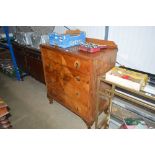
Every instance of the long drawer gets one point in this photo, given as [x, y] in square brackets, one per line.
[80, 64]
[72, 102]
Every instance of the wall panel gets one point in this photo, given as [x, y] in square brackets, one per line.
[136, 46]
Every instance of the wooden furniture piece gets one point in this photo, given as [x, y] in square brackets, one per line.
[4, 122]
[29, 60]
[138, 101]
[71, 76]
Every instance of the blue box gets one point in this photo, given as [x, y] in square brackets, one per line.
[67, 40]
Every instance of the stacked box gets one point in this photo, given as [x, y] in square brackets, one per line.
[67, 40]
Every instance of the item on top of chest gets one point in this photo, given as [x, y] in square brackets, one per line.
[67, 40]
[73, 32]
[91, 48]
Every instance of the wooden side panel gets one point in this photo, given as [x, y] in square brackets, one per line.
[101, 65]
[45, 62]
[105, 62]
[111, 44]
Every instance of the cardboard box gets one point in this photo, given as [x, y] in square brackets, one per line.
[127, 78]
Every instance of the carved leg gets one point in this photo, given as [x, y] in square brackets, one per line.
[88, 124]
[88, 127]
[50, 101]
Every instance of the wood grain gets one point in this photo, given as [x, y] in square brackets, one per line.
[71, 77]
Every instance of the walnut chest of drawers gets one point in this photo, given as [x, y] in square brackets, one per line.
[71, 76]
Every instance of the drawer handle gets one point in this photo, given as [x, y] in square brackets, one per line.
[77, 64]
[77, 78]
[77, 94]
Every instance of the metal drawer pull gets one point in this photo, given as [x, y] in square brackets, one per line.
[77, 64]
[77, 78]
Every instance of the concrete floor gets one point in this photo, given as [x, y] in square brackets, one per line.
[30, 109]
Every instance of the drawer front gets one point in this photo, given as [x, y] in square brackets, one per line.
[67, 80]
[71, 61]
[70, 86]
[75, 104]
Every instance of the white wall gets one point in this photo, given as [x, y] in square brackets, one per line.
[91, 31]
[136, 46]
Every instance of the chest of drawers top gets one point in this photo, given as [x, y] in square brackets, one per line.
[81, 54]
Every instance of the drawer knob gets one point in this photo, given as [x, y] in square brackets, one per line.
[77, 94]
[77, 64]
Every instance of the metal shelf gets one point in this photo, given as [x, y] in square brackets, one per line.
[9, 46]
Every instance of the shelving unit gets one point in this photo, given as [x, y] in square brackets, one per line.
[4, 114]
[125, 102]
[9, 46]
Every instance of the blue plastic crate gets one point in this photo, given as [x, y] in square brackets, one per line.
[67, 40]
